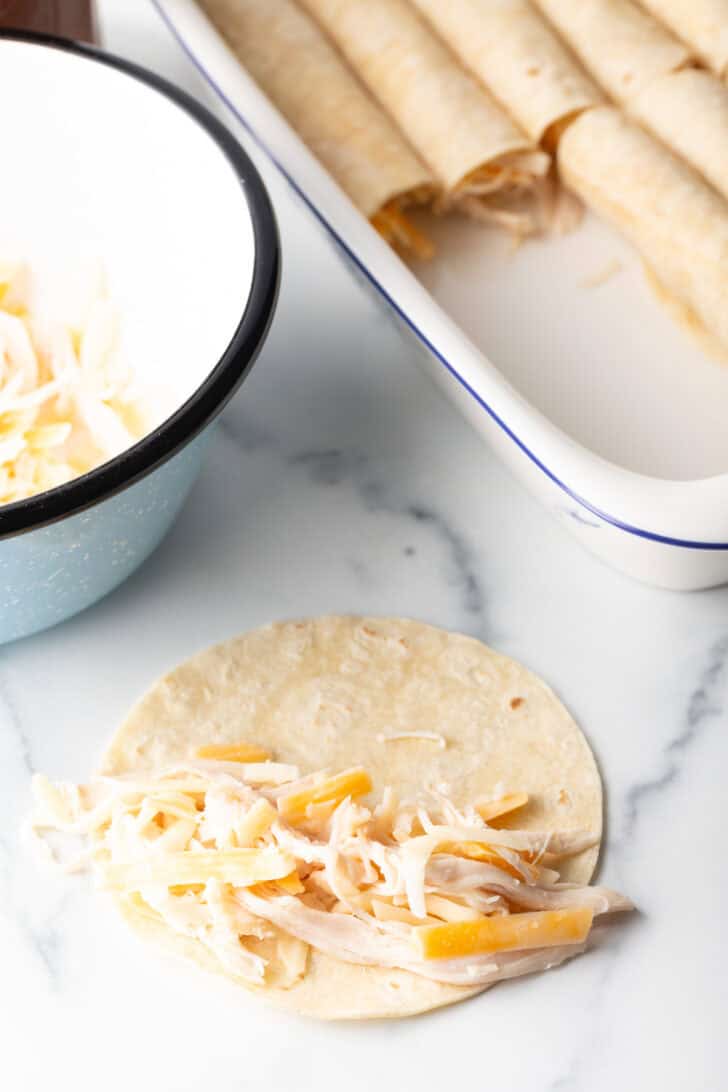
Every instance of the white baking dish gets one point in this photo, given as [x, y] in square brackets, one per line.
[584, 386]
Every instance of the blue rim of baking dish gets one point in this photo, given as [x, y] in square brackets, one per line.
[224, 378]
[605, 517]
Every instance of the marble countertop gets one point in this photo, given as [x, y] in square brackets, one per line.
[339, 480]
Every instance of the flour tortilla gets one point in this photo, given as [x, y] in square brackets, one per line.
[674, 218]
[318, 694]
[513, 51]
[623, 47]
[701, 23]
[454, 124]
[688, 111]
[303, 75]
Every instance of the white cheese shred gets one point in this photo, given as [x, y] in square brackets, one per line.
[429, 737]
[67, 401]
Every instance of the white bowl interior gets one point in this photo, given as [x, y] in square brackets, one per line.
[573, 324]
[102, 175]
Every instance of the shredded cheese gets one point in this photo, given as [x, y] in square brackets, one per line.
[542, 929]
[240, 867]
[233, 752]
[332, 790]
[291, 884]
[401, 233]
[67, 401]
[601, 276]
[387, 911]
[488, 810]
[430, 737]
[256, 822]
[253, 773]
[449, 909]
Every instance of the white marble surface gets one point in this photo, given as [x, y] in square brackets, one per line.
[340, 481]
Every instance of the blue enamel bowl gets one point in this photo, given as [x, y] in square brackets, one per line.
[105, 164]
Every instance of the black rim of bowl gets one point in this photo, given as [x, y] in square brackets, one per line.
[159, 445]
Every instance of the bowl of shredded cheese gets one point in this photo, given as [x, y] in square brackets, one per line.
[139, 268]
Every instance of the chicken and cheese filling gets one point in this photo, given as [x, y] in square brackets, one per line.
[260, 864]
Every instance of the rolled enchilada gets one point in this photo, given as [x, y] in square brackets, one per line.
[470, 143]
[703, 24]
[688, 110]
[644, 68]
[299, 70]
[677, 222]
[620, 44]
[512, 50]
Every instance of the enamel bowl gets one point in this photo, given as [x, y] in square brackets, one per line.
[104, 164]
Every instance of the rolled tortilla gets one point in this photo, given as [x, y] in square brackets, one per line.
[622, 46]
[473, 147]
[299, 70]
[703, 24]
[642, 66]
[688, 110]
[513, 51]
[675, 219]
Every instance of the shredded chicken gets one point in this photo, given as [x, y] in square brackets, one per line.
[513, 193]
[259, 864]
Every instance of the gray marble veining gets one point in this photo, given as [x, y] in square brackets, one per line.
[334, 466]
[706, 707]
